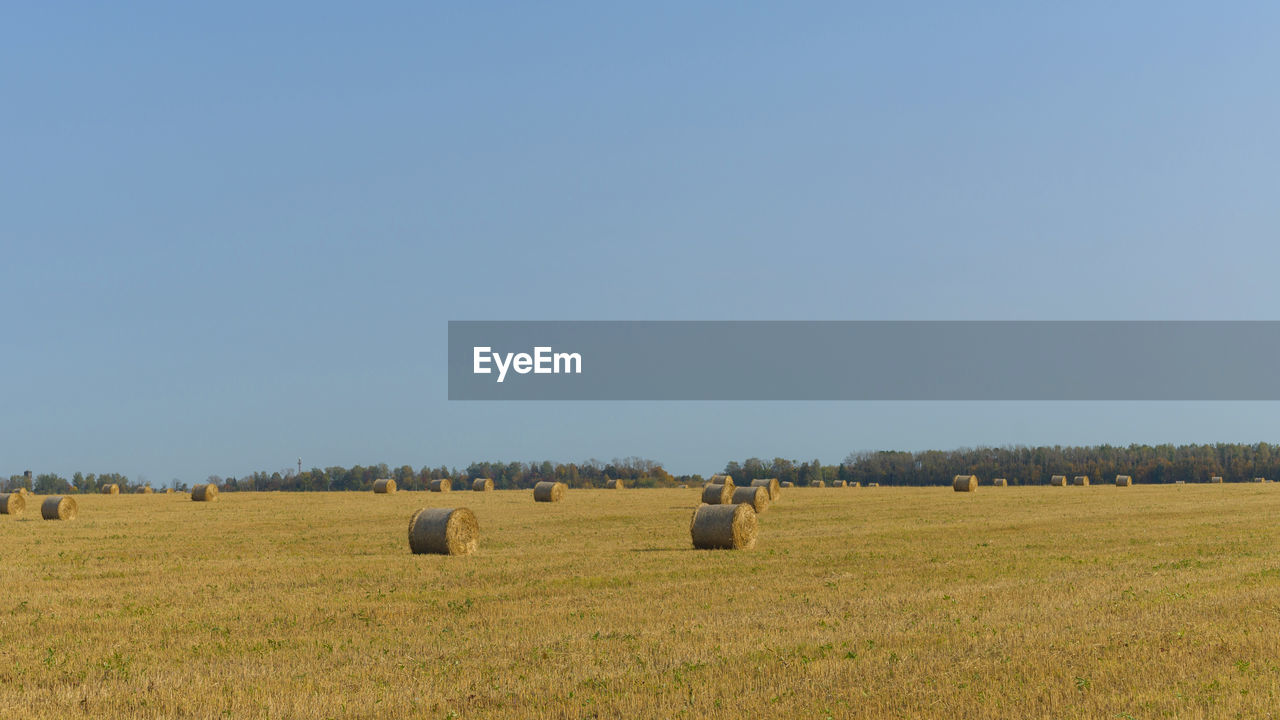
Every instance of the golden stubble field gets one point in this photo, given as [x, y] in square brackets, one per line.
[1098, 602]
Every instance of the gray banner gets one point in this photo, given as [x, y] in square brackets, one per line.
[863, 360]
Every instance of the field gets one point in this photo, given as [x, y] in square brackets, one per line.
[1097, 602]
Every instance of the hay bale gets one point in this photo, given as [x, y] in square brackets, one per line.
[873, 484]
[788, 484]
[204, 493]
[837, 483]
[1260, 480]
[168, 491]
[1215, 479]
[756, 497]
[110, 489]
[12, 503]
[718, 494]
[724, 527]
[144, 490]
[964, 483]
[720, 480]
[615, 484]
[482, 484]
[1081, 480]
[58, 507]
[775, 490]
[441, 485]
[1000, 482]
[549, 491]
[819, 483]
[684, 487]
[1058, 481]
[443, 531]
[384, 486]
[1179, 482]
[1124, 481]
[855, 484]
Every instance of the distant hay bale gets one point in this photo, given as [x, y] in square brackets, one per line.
[144, 490]
[775, 490]
[837, 483]
[1215, 479]
[756, 497]
[1260, 480]
[1058, 481]
[818, 483]
[724, 527]
[58, 507]
[549, 491]
[384, 486]
[1123, 481]
[964, 483]
[12, 503]
[1081, 480]
[482, 484]
[1179, 482]
[204, 493]
[788, 484]
[1000, 482]
[110, 489]
[441, 485]
[615, 484]
[855, 484]
[168, 491]
[873, 484]
[443, 531]
[718, 494]
[684, 487]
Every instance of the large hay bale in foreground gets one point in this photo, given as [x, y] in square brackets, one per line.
[717, 494]
[1000, 482]
[384, 486]
[1081, 480]
[615, 484]
[12, 503]
[482, 484]
[1215, 479]
[1124, 481]
[549, 491]
[444, 531]
[58, 507]
[110, 489]
[724, 527]
[775, 490]
[756, 497]
[964, 483]
[144, 490]
[204, 493]
[442, 485]
[1058, 481]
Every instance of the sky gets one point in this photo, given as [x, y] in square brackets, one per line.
[233, 235]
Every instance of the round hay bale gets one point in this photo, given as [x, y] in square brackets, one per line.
[756, 497]
[58, 507]
[1215, 479]
[441, 485]
[819, 483]
[1124, 481]
[549, 491]
[837, 483]
[724, 527]
[615, 484]
[144, 490]
[717, 494]
[12, 503]
[1058, 481]
[1260, 480]
[204, 493]
[964, 483]
[1081, 480]
[384, 486]
[482, 484]
[855, 484]
[1000, 482]
[110, 489]
[775, 490]
[873, 484]
[720, 480]
[443, 531]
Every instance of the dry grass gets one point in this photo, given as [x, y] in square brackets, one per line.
[1159, 602]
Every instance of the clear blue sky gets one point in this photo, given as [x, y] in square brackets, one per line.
[232, 235]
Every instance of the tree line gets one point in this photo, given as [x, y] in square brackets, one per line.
[1021, 465]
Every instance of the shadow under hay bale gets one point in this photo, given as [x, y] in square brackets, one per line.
[384, 486]
[724, 527]
[12, 503]
[204, 493]
[444, 531]
[549, 491]
[756, 497]
[58, 507]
